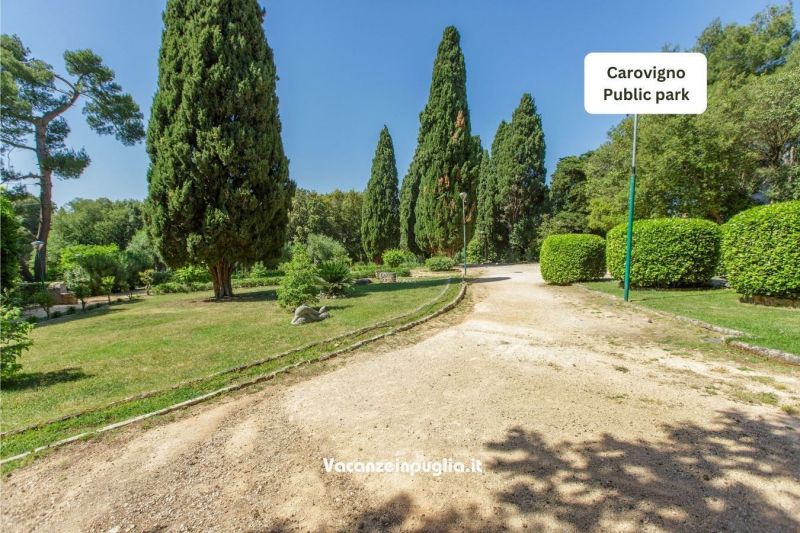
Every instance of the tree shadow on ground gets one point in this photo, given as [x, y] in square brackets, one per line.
[400, 285]
[266, 295]
[103, 310]
[487, 280]
[31, 380]
[690, 479]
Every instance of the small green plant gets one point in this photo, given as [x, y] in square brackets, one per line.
[440, 263]
[192, 274]
[45, 300]
[107, 286]
[79, 282]
[667, 252]
[335, 278]
[396, 257]
[761, 250]
[569, 258]
[70, 310]
[300, 284]
[15, 338]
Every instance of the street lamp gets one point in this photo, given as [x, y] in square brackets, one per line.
[39, 246]
[463, 196]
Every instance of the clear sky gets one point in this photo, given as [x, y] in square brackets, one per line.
[347, 67]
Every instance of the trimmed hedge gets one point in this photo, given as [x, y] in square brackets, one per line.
[564, 259]
[667, 252]
[761, 250]
[440, 263]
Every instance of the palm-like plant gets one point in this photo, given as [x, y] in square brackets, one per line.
[335, 278]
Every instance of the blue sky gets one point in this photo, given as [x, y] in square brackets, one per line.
[347, 67]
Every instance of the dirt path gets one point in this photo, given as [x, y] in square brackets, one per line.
[585, 415]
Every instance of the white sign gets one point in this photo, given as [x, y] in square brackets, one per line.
[644, 83]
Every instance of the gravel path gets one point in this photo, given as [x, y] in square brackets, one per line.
[584, 414]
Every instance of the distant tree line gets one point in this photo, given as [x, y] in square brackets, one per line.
[742, 151]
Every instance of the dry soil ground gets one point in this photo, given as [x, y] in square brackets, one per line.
[586, 416]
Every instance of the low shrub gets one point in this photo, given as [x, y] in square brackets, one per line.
[396, 257]
[364, 270]
[667, 252]
[45, 300]
[300, 284]
[572, 257]
[761, 250]
[173, 287]
[440, 263]
[192, 274]
[15, 338]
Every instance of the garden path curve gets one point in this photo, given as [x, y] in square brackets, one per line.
[586, 415]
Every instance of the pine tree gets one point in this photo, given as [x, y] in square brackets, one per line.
[521, 176]
[447, 158]
[219, 187]
[380, 216]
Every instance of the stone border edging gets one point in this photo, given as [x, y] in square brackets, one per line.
[231, 370]
[229, 388]
[729, 335]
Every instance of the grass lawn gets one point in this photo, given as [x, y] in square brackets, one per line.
[89, 360]
[771, 327]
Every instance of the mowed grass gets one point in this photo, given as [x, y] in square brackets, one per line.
[89, 360]
[770, 327]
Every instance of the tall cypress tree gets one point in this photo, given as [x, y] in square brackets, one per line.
[409, 191]
[488, 227]
[522, 191]
[380, 211]
[447, 157]
[219, 187]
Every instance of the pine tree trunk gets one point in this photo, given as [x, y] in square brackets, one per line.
[221, 276]
[45, 203]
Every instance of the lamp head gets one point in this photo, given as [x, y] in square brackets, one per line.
[463, 196]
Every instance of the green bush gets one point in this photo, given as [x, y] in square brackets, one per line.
[476, 252]
[335, 278]
[99, 261]
[79, 282]
[397, 257]
[572, 257]
[45, 300]
[761, 250]
[667, 252]
[440, 263]
[323, 248]
[300, 284]
[15, 338]
[367, 270]
[192, 274]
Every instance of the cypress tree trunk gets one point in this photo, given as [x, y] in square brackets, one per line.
[221, 277]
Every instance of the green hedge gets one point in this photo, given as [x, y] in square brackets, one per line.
[440, 263]
[564, 259]
[667, 252]
[761, 250]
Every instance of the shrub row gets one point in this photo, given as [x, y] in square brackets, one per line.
[172, 287]
[569, 258]
[758, 252]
